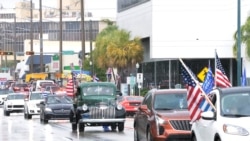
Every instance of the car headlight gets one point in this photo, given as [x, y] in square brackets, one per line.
[235, 130]
[84, 107]
[119, 107]
[159, 120]
[48, 110]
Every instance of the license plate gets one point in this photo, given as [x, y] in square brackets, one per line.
[85, 115]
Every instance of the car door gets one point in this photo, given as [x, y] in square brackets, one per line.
[143, 117]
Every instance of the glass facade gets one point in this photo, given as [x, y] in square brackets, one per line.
[126, 4]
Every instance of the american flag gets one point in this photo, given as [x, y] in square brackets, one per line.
[70, 88]
[193, 94]
[221, 79]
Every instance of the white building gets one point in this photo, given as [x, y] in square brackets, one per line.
[191, 30]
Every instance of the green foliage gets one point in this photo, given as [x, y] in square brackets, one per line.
[100, 73]
[144, 91]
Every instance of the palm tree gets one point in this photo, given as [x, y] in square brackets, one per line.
[245, 38]
[115, 48]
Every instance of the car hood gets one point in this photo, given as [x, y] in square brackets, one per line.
[238, 121]
[35, 101]
[173, 114]
[18, 102]
[59, 106]
[3, 96]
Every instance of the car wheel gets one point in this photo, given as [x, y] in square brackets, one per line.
[121, 127]
[6, 113]
[149, 135]
[218, 139]
[29, 116]
[193, 138]
[81, 127]
[74, 126]
[113, 127]
[136, 138]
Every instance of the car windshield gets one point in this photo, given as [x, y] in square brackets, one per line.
[98, 90]
[236, 104]
[36, 96]
[15, 97]
[59, 100]
[170, 101]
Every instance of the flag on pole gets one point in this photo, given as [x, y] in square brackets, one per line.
[244, 77]
[193, 93]
[207, 86]
[221, 79]
[70, 88]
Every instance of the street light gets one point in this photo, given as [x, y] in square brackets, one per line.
[137, 67]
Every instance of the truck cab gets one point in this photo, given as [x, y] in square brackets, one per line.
[96, 105]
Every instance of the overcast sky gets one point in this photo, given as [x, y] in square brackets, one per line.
[99, 8]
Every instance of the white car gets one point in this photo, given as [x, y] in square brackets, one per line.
[32, 103]
[13, 103]
[230, 120]
[3, 95]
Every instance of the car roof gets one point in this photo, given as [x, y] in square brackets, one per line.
[234, 89]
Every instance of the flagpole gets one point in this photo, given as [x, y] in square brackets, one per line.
[197, 83]
[215, 76]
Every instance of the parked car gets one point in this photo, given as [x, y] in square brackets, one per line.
[130, 103]
[230, 120]
[163, 116]
[96, 105]
[14, 103]
[32, 103]
[55, 107]
[37, 85]
[3, 95]
[52, 88]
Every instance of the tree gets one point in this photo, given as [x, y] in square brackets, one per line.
[245, 38]
[115, 48]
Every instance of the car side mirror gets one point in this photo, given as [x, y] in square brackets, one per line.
[42, 103]
[118, 93]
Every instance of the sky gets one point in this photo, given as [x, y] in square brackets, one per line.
[99, 8]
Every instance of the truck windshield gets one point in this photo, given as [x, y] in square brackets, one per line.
[98, 90]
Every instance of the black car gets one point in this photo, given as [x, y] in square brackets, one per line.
[55, 107]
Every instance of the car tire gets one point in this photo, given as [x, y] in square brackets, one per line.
[74, 126]
[193, 138]
[29, 116]
[113, 127]
[6, 113]
[149, 135]
[218, 139]
[81, 127]
[120, 127]
[136, 137]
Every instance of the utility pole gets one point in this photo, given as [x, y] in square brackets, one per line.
[31, 36]
[41, 37]
[60, 43]
[239, 44]
[83, 32]
[14, 48]
[90, 41]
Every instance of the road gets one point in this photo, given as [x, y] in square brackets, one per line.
[16, 128]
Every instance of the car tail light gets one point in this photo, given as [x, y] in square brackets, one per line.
[126, 104]
[16, 88]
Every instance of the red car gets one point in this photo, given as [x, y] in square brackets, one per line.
[19, 87]
[130, 103]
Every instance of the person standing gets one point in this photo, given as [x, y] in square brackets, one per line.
[109, 74]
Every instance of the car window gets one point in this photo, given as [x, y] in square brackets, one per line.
[59, 100]
[15, 97]
[36, 96]
[98, 90]
[237, 103]
[170, 101]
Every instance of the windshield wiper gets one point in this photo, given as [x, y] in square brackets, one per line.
[163, 109]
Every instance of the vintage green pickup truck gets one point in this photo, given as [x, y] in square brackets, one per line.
[96, 105]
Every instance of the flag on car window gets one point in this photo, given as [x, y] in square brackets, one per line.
[193, 93]
[207, 86]
[221, 79]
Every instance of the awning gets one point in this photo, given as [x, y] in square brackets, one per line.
[36, 59]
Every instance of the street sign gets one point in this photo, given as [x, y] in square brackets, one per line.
[139, 77]
[68, 52]
[202, 74]
[55, 57]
